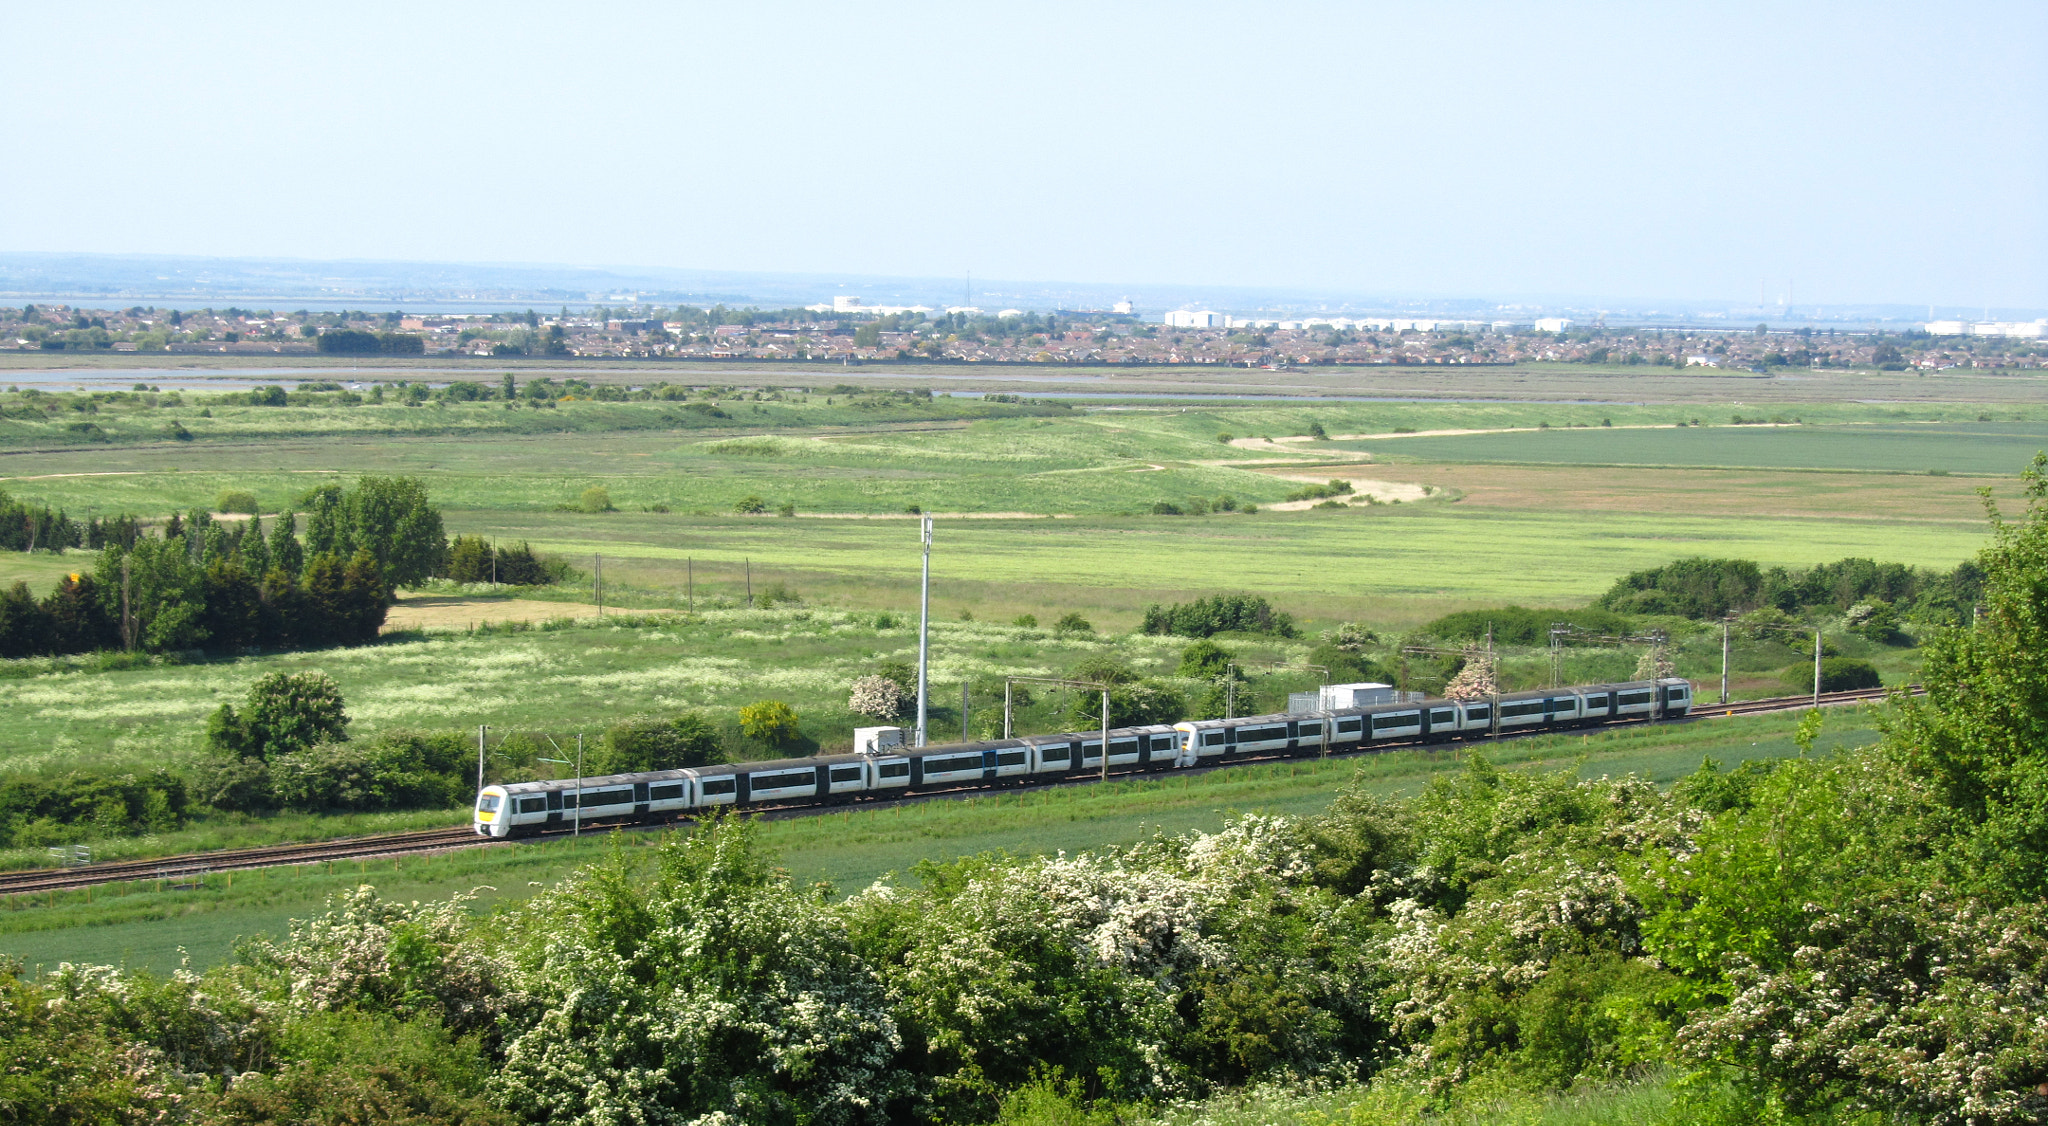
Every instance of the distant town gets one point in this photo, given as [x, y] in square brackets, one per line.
[846, 331]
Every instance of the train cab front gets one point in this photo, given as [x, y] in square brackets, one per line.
[493, 813]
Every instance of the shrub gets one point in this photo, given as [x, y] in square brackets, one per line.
[1877, 621]
[1347, 664]
[1352, 637]
[397, 770]
[1837, 674]
[1103, 668]
[657, 743]
[1204, 660]
[750, 505]
[1334, 488]
[786, 508]
[1025, 621]
[1223, 613]
[1130, 705]
[1517, 625]
[876, 696]
[236, 500]
[769, 720]
[1072, 622]
[285, 712]
[1165, 508]
[596, 498]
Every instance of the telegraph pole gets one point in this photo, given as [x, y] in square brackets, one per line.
[1105, 734]
[1816, 666]
[924, 625]
[1724, 660]
[480, 729]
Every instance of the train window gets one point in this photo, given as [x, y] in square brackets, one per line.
[1399, 719]
[894, 770]
[1061, 753]
[1010, 758]
[846, 774]
[1628, 698]
[488, 803]
[1478, 711]
[532, 805]
[950, 765]
[1212, 738]
[1123, 746]
[1678, 693]
[665, 793]
[712, 787]
[1442, 715]
[1529, 707]
[607, 797]
[1350, 726]
[1261, 734]
[1312, 729]
[784, 780]
[1562, 706]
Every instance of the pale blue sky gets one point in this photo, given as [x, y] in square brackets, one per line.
[1865, 151]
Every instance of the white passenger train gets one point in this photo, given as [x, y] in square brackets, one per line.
[523, 808]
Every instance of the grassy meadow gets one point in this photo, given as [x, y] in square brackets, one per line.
[1044, 509]
[142, 926]
[1976, 448]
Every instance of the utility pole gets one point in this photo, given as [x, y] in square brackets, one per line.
[1724, 660]
[579, 774]
[1006, 707]
[480, 729]
[1816, 666]
[1493, 678]
[1105, 733]
[924, 625]
[1230, 692]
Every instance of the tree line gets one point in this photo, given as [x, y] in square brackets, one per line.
[317, 579]
[1706, 589]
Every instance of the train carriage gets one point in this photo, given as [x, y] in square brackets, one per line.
[516, 809]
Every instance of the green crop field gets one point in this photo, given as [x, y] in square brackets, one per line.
[1325, 564]
[2000, 449]
[143, 926]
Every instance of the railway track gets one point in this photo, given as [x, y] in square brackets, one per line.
[174, 869]
[1794, 703]
[183, 868]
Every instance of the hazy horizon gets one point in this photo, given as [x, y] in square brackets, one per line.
[1880, 155]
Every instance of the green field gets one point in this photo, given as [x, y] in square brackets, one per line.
[140, 925]
[1526, 517]
[1999, 449]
